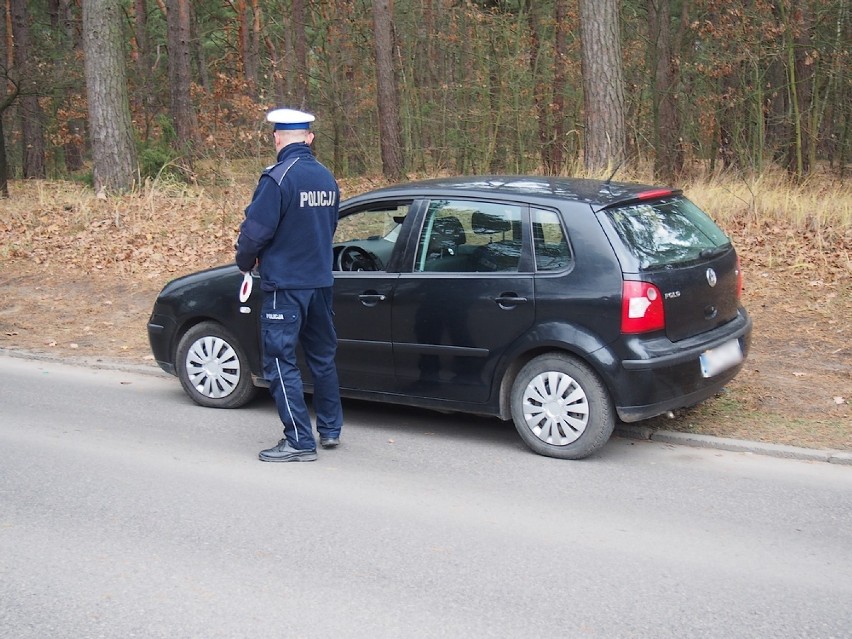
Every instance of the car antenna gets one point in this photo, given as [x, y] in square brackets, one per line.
[614, 171]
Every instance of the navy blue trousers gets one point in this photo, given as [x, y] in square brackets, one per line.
[301, 317]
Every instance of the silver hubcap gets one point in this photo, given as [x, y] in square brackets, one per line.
[213, 367]
[556, 409]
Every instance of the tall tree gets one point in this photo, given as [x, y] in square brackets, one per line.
[668, 160]
[797, 40]
[199, 55]
[73, 120]
[180, 79]
[248, 15]
[539, 86]
[6, 99]
[560, 63]
[113, 148]
[390, 130]
[145, 96]
[32, 117]
[603, 84]
[299, 84]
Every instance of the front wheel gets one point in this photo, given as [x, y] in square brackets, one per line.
[213, 368]
[561, 408]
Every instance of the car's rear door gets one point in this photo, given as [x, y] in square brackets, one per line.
[468, 295]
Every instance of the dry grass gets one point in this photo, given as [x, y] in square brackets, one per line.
[821, 206]
[168, 227]
[802, 231]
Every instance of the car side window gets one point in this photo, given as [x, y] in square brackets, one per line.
[365, 240]
[552, 251]
[462, 236]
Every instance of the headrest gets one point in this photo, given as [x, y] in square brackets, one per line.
[489, 224]
[447, 232]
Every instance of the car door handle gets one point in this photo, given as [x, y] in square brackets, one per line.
[510, 300]
[371, 299]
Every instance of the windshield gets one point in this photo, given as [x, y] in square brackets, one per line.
[667, 232]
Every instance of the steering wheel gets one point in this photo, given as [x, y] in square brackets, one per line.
[354, 258]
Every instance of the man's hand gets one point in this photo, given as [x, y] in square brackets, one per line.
[253, 268]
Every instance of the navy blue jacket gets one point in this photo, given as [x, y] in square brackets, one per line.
[290, 223]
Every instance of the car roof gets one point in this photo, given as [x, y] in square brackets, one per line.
[597, 193]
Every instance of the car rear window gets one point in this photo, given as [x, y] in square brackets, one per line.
[667, 232]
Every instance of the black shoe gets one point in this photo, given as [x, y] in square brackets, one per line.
[283, 452]
[329, 442]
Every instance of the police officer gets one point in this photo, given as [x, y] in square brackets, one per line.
[288, 233]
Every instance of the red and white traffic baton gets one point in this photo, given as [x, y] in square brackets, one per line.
[245, 288]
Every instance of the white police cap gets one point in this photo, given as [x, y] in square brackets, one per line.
[288, 119]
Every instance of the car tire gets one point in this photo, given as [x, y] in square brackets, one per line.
[561, 408]
[213, 367]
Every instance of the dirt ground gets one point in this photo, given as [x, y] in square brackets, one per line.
[81, 288]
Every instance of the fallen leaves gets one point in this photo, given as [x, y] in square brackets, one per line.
[157, 235]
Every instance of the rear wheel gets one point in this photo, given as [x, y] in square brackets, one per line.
[213, 368]
[561, 408]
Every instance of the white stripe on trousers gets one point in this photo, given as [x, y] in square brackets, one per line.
[281, 378]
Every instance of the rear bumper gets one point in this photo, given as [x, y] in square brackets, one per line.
[708, 390]
[650, 386]
[691, 353]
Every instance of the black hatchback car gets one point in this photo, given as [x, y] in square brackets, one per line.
[561, 304]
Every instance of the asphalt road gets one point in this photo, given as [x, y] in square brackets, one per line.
[127, 511]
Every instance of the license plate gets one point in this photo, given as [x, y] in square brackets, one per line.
[721, 358]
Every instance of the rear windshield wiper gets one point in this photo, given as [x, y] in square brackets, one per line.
[715, 251]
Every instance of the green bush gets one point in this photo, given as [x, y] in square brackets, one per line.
[158, 161]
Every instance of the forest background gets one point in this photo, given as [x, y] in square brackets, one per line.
[465, 86]
[132, 133]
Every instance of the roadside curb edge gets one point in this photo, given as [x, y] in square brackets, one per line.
[734, 445]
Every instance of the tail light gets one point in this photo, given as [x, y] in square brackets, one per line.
[641, 308]
[739, 279]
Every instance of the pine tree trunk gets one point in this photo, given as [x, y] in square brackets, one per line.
[32, 117]
[197, 50]
[4, 164]
[5, 102]
[180, 78]
[668, 162]
[603, 84]
[299, 88]
[145, 96]
[801, 86]
[388, 95]
[248, 55]
[278, 71]
[539, 89]
[113, 148]
[74, 141]
[560, 64]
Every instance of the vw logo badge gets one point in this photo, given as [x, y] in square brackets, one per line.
[711, 277]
